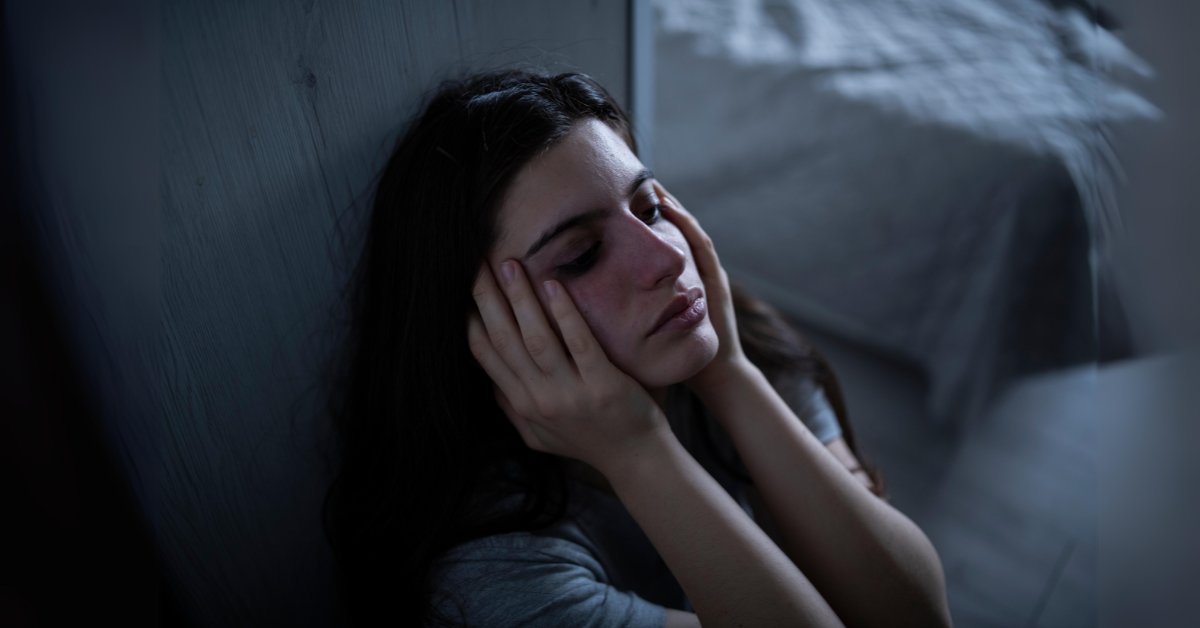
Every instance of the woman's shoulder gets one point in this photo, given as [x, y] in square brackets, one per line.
[535, 579]
[521, 546]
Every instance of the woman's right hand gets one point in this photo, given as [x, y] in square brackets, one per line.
[571, 402]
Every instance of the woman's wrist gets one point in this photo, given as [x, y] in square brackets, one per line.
[720, 383]
[639, 457]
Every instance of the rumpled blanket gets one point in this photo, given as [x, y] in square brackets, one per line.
[930, 178]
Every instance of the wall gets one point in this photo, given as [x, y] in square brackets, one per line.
[1157, 256]
[205, 166]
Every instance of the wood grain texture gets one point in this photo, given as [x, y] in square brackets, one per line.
[275, 117]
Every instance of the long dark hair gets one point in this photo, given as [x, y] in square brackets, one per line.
[424, 451]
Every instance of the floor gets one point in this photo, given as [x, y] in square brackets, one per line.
[1008, 501]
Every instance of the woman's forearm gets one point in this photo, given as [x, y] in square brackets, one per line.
[731, 571]
[872, 564]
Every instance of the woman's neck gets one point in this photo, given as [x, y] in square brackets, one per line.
[588, 474]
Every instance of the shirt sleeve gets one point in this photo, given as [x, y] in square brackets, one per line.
[532, 580]
[813, 408]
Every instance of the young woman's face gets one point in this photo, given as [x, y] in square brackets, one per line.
[621, 261]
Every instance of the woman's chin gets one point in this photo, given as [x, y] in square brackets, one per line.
[685, 359]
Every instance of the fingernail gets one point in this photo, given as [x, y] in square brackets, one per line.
[551, 288]
[507, 271]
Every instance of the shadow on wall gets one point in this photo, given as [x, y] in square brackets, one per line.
[76, 544]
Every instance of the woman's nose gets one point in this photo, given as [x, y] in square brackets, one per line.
[655, 259]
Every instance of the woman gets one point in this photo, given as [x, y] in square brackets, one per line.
[556, 411]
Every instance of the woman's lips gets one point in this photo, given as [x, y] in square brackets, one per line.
[684, 312]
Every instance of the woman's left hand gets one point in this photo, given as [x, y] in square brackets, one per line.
[730, 357]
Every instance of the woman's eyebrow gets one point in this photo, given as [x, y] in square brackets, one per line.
[588, 217]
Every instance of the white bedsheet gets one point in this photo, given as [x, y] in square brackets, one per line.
[929, 178]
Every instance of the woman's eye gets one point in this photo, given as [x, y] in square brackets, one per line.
[653, 214]
[580, 264]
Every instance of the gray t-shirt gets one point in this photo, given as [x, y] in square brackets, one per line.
[596, 567]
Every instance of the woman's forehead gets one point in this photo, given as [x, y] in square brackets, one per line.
[591, 168]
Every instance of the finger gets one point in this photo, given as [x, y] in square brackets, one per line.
[703, 249]
[498, 320]
[485, 354]
[662, 191]
[540, 341]
[586, 352]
